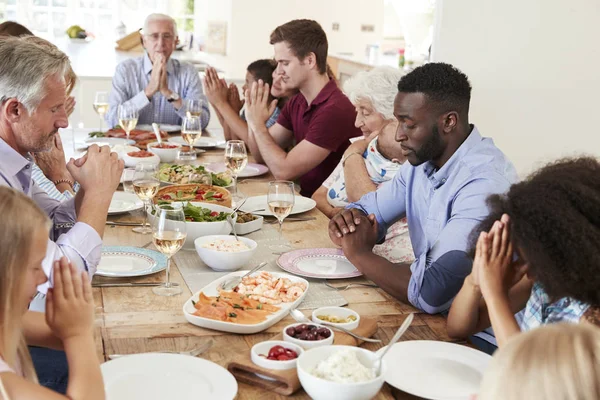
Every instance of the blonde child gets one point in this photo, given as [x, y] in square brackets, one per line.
[554, 362]
[68, 321]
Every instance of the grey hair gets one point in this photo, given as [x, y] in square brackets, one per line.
[379, 86]
[25, 64]
[159, 17]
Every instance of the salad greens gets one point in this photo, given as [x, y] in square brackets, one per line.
[198, 214]
[179, 174]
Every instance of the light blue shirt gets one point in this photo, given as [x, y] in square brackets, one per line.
[132, 77]
[272, 119]
[47, 186]
[442, 208]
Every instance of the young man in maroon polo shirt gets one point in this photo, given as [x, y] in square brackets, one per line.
[320, 118]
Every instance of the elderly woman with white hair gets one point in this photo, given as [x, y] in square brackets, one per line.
[373, 160]
[156, 85]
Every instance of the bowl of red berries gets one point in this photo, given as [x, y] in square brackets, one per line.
[308, 336]
[275, 354]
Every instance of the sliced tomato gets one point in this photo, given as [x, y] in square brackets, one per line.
[200, 191]
[199, 197]
[218, 195]
[214, 214]
[165, 197]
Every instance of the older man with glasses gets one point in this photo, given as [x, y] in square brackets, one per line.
[155, 84]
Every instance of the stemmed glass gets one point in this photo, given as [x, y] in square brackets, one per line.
[280, 199]
[236, 159]
[101, 105]
[193, 108]
[145, 186]
[128, 117]
[168, 235]
[191, 129]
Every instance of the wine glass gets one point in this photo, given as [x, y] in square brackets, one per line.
[128, 174]
[280, 199]
[193, 108]
[145, 186]
[191, 129]
[101, 105]
[128, 117]
[168, 235]
[236, 159]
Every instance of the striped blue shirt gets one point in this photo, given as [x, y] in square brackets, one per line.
[272, 119]
[132, 77]
[47, 186]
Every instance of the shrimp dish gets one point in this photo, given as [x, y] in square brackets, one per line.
[268, 289]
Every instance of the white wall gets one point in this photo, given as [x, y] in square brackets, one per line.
[533, 66]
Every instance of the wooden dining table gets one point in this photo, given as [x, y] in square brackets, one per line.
[133, 320]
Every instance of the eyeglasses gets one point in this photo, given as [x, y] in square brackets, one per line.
[166, 37]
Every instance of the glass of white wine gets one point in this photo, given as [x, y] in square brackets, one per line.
[280, 199]
[193, 108]
[191, 129]
[236, 159]
[101, 105]
[168, 235]
[145, 186]
[128, 117]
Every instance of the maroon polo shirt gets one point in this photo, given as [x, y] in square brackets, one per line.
[328, 123]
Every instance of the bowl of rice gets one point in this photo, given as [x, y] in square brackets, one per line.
[339, 373]
[223, 252]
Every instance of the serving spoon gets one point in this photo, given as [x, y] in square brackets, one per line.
[156, 132]
[399, 333]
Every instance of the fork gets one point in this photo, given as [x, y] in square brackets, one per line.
[349, 286]
[192, 353]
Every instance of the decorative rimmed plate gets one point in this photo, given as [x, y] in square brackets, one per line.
[454, 372]
[211, 290]
[108, 141]
[152, 376]
[326, 263]
[250, 170]
[254, 203]
[202, 142]
[163, 127]
[126, 261]
[123, 202]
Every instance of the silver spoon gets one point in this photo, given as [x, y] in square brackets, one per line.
[230, 217]
[399, 333]
[299, 317]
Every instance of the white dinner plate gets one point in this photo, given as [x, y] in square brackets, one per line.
[301, 204]
[203, 141]
[109, 141]
[211, 290]
[327, 263]
[123, 202]
[126, 261]
[435, 370]
[163, 127]
[251, 169]
[159, 376]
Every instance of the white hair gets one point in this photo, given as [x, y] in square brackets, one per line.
[25, 64]
[379, 86]
[159, 17]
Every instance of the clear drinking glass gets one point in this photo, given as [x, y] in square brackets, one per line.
[101, 105]
[236, 159]
[191, 129]
[193, 108]
[168, 235]
[128, 117]
[145, 186]
[280, 199]
[128, 174]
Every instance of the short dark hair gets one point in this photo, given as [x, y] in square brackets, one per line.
[263, 69]
[555, 222]
[441, 84]
[304, 36]
[11, 28]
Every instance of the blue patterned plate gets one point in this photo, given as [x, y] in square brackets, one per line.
[126, 261]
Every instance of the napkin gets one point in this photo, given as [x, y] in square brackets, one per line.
[286, 382]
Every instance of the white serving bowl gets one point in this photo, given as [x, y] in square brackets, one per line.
[338, 312]
[264, 347]
[223, 261]
[321, 389]
[133, 161]
[200, 229]
[308, 344]
[165, 155]
[247, 227]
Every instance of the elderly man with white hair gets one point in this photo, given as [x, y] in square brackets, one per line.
[155, 84]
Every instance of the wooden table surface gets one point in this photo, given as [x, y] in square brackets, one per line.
[134, 320]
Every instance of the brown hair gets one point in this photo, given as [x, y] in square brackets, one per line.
[304, 36]
[11, 28]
